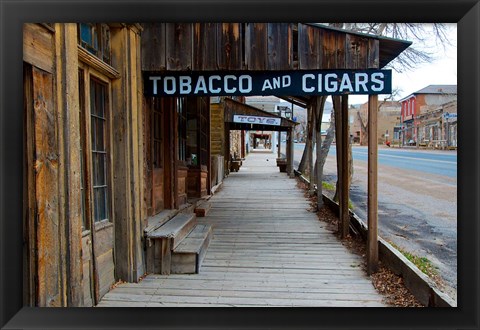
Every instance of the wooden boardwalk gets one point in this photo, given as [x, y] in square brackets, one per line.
[267, 250]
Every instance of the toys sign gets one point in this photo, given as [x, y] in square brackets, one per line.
[256, 120]
[300, 82]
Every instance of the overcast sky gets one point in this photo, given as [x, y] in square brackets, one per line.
[442, 71]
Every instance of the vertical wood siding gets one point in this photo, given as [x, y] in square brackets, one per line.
[253, 46]
[38, 47]
[229, 48]
[357, 52]
[205, 46]
[179, 46]
[373, 58]
[47, 191]
[309, 47]
[280, 43]
[154, 39]
[256, 46]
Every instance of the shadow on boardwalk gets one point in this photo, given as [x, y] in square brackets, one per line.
[267, 250]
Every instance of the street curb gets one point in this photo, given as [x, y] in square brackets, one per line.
[419, 284]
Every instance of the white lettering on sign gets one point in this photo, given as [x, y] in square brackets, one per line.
[299, 82]
[333, 83]
[257, 120]
[277, 82]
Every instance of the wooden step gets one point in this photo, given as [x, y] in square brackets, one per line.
[202, 209]
[161, 242]
[189, 254]
[156, 221]
[176, 229]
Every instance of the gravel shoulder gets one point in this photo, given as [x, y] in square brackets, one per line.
[416, 211]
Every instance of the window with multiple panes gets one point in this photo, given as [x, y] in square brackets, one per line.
[81, 88]
[182, 128]
[99, 152]
[96, 39]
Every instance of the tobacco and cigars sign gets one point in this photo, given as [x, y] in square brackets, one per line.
[316, 82]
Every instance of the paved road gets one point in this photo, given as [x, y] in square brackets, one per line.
[417, 201]
[423, 161]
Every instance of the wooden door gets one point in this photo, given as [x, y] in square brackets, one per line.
[98, 223]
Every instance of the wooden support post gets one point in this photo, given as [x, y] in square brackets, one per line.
[289, 153]
[292, 153]
[344, 193]
[279, 143]
[372, 238]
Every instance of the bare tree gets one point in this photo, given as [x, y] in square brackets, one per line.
[410, 58]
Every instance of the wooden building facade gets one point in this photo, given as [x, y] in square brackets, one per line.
[104, 163]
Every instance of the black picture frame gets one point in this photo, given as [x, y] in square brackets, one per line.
[14, 13]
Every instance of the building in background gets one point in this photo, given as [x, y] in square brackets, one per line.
[420, 115]
[388, 120]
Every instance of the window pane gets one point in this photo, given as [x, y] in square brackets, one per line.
[93, 132]
[99, 169]
[100, 135]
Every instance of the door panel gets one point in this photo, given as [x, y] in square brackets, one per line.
[87, 271]
[157, 190]
[103, 246]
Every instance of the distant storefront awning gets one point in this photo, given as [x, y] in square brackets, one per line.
[240, 116]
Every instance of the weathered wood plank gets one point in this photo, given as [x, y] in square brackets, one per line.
[154, 39]
[260, 257]
[38, 46]
[373, 60]
[309, 49]
[229, 47]
[279, 46]
[256, 46]
[356, 52]
[47, 190]
[205, 46]
[179, 46]
[175, 229]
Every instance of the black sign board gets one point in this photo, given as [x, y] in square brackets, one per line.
[300, 82]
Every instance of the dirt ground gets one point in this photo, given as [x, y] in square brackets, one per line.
[417, 213]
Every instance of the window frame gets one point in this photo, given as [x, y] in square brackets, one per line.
[102, 38]
[157, 155]
[181, 108]
[90, 74]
